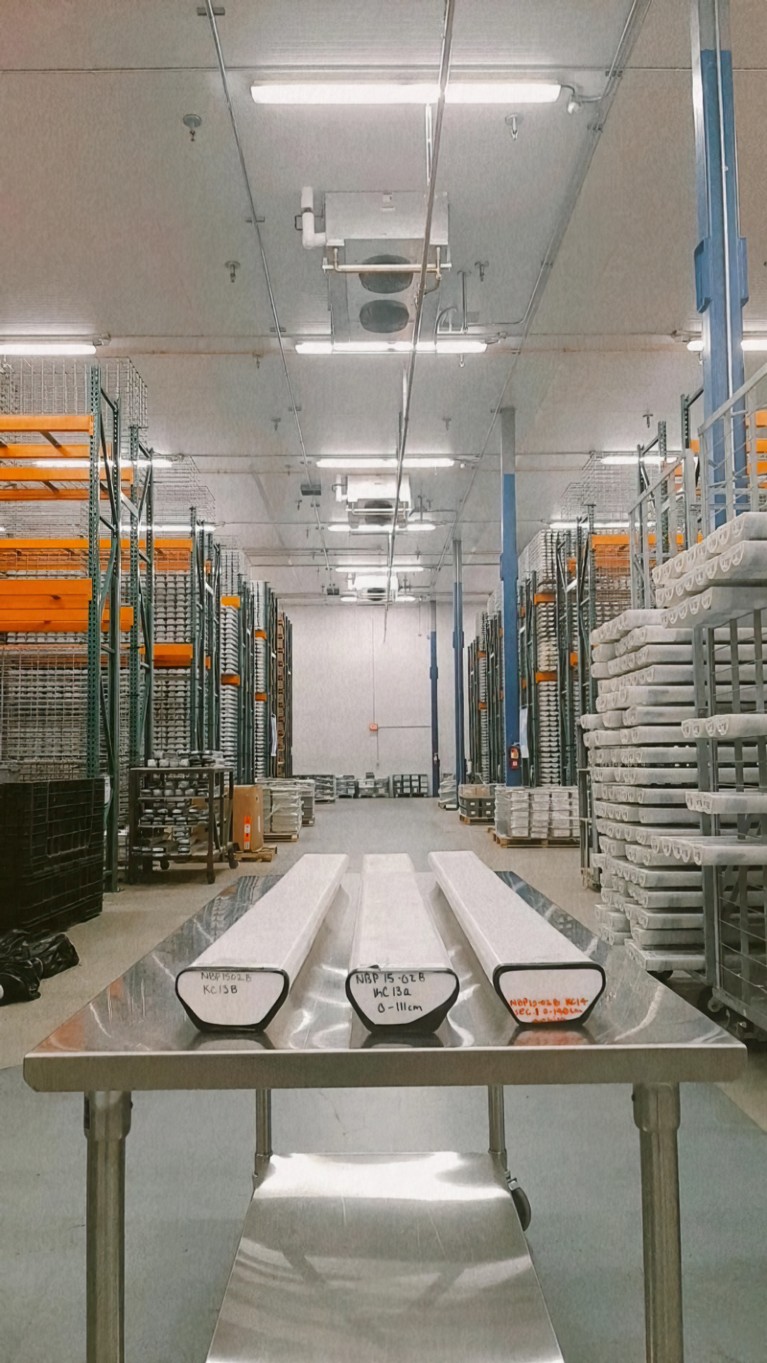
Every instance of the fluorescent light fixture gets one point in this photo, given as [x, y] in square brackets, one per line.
[404, 568]
[47, 348]
[343, 528]
[598, 525]
[347, 598]
[633, 459]
[367, 462]
[756, 345]
[406, 597]
[453, 345]
[497, 91]
[181, 529]
[415, 527]
[54, 463]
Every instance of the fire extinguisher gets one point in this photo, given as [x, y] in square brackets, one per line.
[515, 757]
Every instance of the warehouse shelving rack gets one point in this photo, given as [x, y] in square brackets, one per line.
[247, 645]
[733, 479]
[205, 597]
[56, 421]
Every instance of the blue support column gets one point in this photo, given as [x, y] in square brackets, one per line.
[433, 677]
[509, 575]
[721, 268]
[460, 746]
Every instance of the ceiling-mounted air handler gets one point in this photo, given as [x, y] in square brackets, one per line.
[371, 499]
[373, 250]
[371, 587]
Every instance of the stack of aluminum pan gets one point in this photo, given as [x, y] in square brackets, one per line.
[324, 788]
[171, 709]
[172, 608]
[230, 649]
[283, 809]
[262, 725]
[308, 796]
[641, 763]
[230, 727]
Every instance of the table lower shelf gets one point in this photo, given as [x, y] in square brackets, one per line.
[382, 1258]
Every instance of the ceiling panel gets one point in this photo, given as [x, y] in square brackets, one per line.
[116, 223]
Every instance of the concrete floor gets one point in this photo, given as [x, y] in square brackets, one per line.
[189, 1155]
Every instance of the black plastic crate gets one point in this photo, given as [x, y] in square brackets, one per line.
[49, 825]
[70, 894]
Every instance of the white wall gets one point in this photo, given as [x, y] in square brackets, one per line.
[347, 676]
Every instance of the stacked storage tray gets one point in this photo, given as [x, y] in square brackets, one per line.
[308, 796]
[409, 786]
[51, 852]
[283, 810]
[539, 814]
[641, 764]
[324, 788]
[476, 803]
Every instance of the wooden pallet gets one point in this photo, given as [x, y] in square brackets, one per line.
[531, 842]
[266, 853]
[284, 837]
[468, 818]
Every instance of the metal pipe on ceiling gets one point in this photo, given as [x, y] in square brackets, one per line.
[255, 223]
[444, 74]
[631, 29]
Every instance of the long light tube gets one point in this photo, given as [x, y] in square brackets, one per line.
[157, 463]
[756, 345]
[370, 462]
[404, 568]
[343, 528]
[405, 92]
[633, 459]
[598, 525]
[454, 345]
[63, 348]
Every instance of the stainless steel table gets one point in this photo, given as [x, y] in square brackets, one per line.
[311, 1250]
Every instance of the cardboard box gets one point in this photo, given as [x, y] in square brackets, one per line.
[248, 818]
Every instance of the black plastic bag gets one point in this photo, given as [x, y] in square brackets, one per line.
[27, 958]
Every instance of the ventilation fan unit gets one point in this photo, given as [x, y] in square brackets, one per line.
[370, 500]
[373, 250]
[371, 588]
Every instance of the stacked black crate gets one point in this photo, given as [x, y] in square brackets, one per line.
[51, 853]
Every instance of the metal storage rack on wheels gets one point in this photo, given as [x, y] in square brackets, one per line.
[180, 814]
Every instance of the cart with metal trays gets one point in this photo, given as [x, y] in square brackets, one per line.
[180, 814]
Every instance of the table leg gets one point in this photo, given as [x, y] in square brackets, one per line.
[107, 1123]
[496, 1116]
[656, 1113]
[263, 1134]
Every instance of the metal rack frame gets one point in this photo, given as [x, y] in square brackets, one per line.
[141, 601]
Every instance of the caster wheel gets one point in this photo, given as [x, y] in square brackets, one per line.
[662, 976]
[522, 1203]
[164, 864]
[233, 862]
